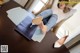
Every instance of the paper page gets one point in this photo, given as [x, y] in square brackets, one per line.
[16, 15]
[38, 35]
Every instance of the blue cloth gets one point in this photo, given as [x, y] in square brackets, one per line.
[46, 13]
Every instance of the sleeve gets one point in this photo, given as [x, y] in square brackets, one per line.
[69, 14]
[55, 4]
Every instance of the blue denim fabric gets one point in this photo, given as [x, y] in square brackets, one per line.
[46, 13]
[52, 18]
[52, 21]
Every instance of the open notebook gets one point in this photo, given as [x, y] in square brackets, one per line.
[23, 21]
[16, 15]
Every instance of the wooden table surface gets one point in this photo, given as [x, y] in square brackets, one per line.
[19, 44]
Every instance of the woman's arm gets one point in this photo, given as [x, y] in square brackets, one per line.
[55, 4]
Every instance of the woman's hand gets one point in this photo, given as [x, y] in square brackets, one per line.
[43, 28]
[37, 20]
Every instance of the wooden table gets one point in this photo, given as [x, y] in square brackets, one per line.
[19, 44]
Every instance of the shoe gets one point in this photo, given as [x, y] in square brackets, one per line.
[57, 45]
[53, 45]
[60, 42]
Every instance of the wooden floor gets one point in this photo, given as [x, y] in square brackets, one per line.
[19, 44]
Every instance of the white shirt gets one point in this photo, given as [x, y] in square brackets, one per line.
[59, 12]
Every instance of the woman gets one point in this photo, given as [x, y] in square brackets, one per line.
[61, 9]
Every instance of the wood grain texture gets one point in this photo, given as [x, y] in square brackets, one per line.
[17, 43]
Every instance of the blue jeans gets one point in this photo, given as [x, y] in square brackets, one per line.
[49, 19]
